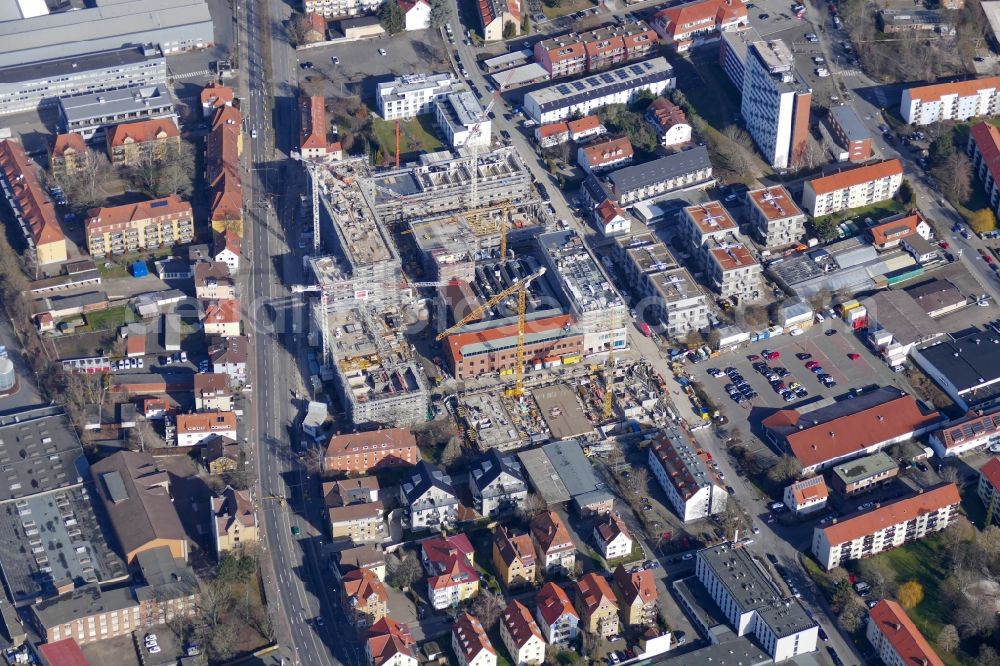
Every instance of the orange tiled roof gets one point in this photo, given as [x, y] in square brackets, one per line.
[37, 210]
[987, 140]
[553, 129]
[217, 95]
[584, 124]
[636, 585]
[553, 603]
[733, 257]
[390, 438]
[710, 217]
[386, 639]
[116, 218]
[592, 590]
[775, 203]
[520, 625]
[893, 513]
[991, 470]
[142, 131]
[605, 152]
[852, 177]
[313, 122]
[610, 526]
[549, 531]
[677, 19]
[936, 91]
[809, 491]
[70, 140]
[223, 311]
[903, 635]
[893, 229]
[513, 546]
[206, 422]
[361, 584]
[471, 637]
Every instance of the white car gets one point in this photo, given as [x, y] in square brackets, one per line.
[381, 52]
[822, 72]
[795, 331]
[151, 638]
[253, 134]
[140, 364]
[153, 649]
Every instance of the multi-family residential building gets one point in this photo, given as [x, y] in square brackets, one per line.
[852, 188]
[688, 24]
[775, 218]
[552, 134]
[553, 544]
[806, 496]
[896, 639]
[596, 605]
[886, 527]
[428, 497]
[416, 14]
[984, 148]
[583, 129]
[312, 127]
[684, 170]
[212, 281]
[862, 475]
[223, 318]
[563, 55]
[496, 15]
[609, 45]
[365, 556]
[514, 558]
[193, 429]
[612, 536]
[367, 451]
[30, 204]
[669, 121]
[220, 455]
[458, 114]
[228, 356]
[583, 96]
[451, 571]
[365, 598]
[390, 643]
[497, 484]
[68, 154]
[970, 433]
[611, 219]
[130, 228]
[556, 616]
[733, 271]
[637, 595]
[470, 643]
[331, 8]
[775, 103]
[610, 154]
[700, 224]
[851, 133]
[890, 231]
[414, 94]
[848, 429]
[959, 100]
[354, 510]
[91, 114]
[135, 493]
[752, 604]
[213, 96]
[234, 521]
[129, 142]
[521, 635]
[212, 392]
[988, 488]
[683, 472]
[223, 148]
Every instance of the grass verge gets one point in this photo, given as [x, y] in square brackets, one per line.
[416, 136]
[565, 7]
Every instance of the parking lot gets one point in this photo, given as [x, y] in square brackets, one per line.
[830, 351]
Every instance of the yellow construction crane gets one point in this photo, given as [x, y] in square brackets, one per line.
[608, 382]
[521, 288]
[482, 228]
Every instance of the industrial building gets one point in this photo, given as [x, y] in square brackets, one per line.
[172, 25]
[560, 473]
[775, 103]
[51, 537]
[753, 604]
[91, 114]
[616, 86]
[965, 366]
[598, 309]
[851, 265]
[26, 87]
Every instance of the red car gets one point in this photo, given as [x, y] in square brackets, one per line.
[812, 364]
[753, 358]
[770, 356]
[943, 245]
[988, 259]
[853, 356]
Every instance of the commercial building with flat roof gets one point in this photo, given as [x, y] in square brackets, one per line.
[560, 473]
[851, 133]
[752, 602]
[92, 114]
[616, 86]
[172, 25]
[26, 87]
[966, 367]
[863, 474]
[885, 527]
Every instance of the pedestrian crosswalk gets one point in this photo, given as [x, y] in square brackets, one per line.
[190, 75]
[849, 72]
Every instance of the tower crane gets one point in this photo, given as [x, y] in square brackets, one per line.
[521, 289]
[608, 383]
[474, 133]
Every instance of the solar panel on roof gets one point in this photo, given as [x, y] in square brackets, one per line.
[579, 85]
[158, 204]
[607, 78]
[622, 74]
[637, 69]
[563, 88]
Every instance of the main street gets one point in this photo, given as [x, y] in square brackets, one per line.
[293, 568]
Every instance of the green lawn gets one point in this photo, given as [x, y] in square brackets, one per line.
[417, 135]
[110, 319]
[876, 211]
[565, 7]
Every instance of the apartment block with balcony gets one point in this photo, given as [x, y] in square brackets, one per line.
[553, 544]
[958, 100]
[365, 597]
[129, 142]
[414, 94]
[354, 511]
[775, 218]
[688, 24]
[596, 605]
[988, 488]
[984, 149]
[521, 635]
[372, 450]
[637, 596]
[428, 497]
[451, 571]
[682, 470]
[886, 527]
[514, 558]
[557, 618]
[141, 226]
[336, 8]
[852, 188]
[470, 643]
[497, 484]
[896, 640]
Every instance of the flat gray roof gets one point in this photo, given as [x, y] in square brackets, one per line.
[898, 313]
[83, 602]
[74, 64]
[664, 168]
[630, 76]
[562, 411]
[561, 472]
[114, 102]
[967, 361]
[847, 118]
[862, 468]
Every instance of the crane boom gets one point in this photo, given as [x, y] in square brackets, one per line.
[478, 312]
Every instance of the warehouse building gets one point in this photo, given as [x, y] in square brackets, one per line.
[966, 367]
[172, 25]
[26, 87]
[561, 473]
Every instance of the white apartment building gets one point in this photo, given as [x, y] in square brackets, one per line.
[886, 527]
[599, 309]
[330, 8]
[677, 301]
[775, 103]
[612, 537]
[732, 270]
[429, 497]
[774, 217]
[557, 618]
[457, 115]
[700, 224]
[960, 100]
[585, 95]
[989, 488]
[970, 433]
[753, 605]
[852, 188]
[414, 94]
[807, 496]
[896, 639]
[694, 490]
[984, 149]
[193, 429]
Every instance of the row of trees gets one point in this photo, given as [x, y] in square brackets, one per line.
[393, 20]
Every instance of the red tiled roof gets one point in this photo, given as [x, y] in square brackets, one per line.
[520, 625]
[142, 131]
[584, 124]
[991, 471]
[936, 91]
[710, 217]
[903, 635]
[774, 202]
[513, 546]
[206, 422]
[987, 140]
[665, 113]
[553, 603]
[37, 210]
[313, 122]
[893, 513]
[606, 152]
[223, 311]
[553, 129]
[809, 491]
[895, 229]
[63, 653]
[229, 240]
[457, 341]
[407, 5]
[549, 531]
[217, 94]
[471, 637]
[851, 177]
[636, 584]
[677, 19]
[592, 590]
[608, 210]
[71, 140]
[361, 584]
[387, 438]
[386, 639]
[850, 433]
[609, 527]
[116, 218]
[733, 257]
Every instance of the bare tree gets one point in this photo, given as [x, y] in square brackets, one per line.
[787, 468]
[852, 615]
[142, 436]
[453, 452]
[86, 186]
[974, 618]
[947, 638]
[532, 505]
[487, 606]
[638, 481]
[955, 177]
[403, 570]
[177, 169]
[949, 474]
